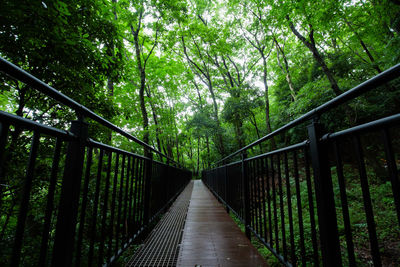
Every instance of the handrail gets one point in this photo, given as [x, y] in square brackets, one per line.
[262, 190]
[32, 125]
[378, 80]
[23, 76]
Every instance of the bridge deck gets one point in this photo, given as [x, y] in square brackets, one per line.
[211, 237]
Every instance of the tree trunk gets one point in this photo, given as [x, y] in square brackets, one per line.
[219, 142]
[142, 75]
[208, 151]
[317, 56]
[239, 132]
[153, 110]
[198, 156]
[286, 70]
[254, 122]
[267, 117]
[110, 87]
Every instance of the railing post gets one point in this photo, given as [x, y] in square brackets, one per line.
[327, 221]
[147, 189]
[167, 183]
[226, 189]
[246, 196]
[69, 199]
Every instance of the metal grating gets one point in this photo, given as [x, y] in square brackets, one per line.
[161, 248]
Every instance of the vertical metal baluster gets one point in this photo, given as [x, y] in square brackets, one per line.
[260, 197]
[50, 203]
[26, 193]
[165, 182]
[215, 185]
[160, 195]
[223, 183]
[253, 214]
[154, 193]
[94, 213]
[147, 191]
[246, 196]
[259, 205]
[121, 185]
[239, 192]
[227, 190]
[130, 206]
[105, 208]
[255, 207]
[281, 207]
[126, 190]
[4, 128]
[218, 183]
[240, 195]
[215, 181]
[393, 172]
[136, 196]
[235, 187]
[311, 208]
[299, 208]
[168, 178]
[270, 228]
[140, 194]
[249, 173]
[274, 204]
[113, 201]
[256, 197]
[142, 189]
[264, 208]
[376, 258]
[289, 200]
[83, 207]
[345, 206]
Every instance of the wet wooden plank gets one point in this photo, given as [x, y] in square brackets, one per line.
[211, 237]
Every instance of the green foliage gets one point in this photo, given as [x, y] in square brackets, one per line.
[214, 75]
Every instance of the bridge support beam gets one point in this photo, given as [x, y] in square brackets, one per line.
[327, 220]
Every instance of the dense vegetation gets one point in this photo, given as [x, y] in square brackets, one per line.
[198, 79]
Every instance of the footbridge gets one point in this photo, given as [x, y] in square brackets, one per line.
[328, 200]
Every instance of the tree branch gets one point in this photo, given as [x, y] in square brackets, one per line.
[154, 45]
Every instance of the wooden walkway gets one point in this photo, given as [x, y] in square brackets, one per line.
[211, 237]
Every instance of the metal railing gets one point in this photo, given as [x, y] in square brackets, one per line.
[77, 202]
[310, 203]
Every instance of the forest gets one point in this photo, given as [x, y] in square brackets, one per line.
[198, 79]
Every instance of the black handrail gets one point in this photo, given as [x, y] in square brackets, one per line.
[19, 74]
[274, 193]
[105, 198]
[360, 89]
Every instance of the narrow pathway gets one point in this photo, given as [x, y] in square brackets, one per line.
[211, 237]
[162, 245]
